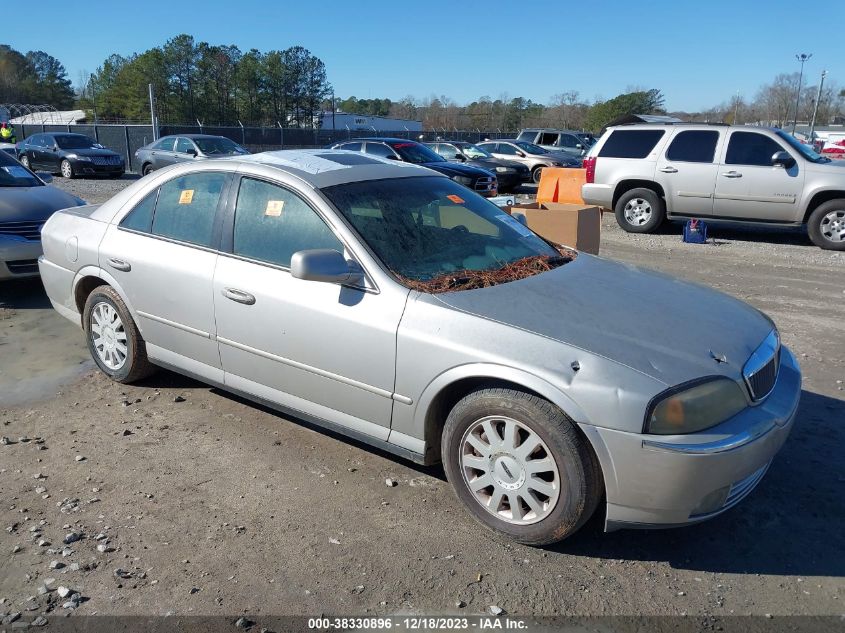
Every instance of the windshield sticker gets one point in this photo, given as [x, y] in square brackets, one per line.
[455, 199]
[187, 196]
[17, 172]
[274, 208]
[515, 224]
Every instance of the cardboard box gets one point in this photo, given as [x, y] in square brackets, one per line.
[561, 184]
[568, 224]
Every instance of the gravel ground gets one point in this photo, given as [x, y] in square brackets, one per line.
[191, 501]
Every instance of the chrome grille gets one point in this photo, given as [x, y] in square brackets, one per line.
[485, 184]
[761, 370]
[105, 160]
[26, 230]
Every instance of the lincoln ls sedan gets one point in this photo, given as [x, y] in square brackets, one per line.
[385, 301]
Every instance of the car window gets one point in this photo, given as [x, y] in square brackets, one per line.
[546, 138]
[186, 207]
[183, 145]
[351, 147]
[447, 151]
[13, 174]
[141, 217]
[165, 144]
[527, 136]
[490, 147]
[694, 146]
[273, 223]
[379, 149]
[631, 143]
[504, 148]
[567, 140]
[751, 148]
[43, 141]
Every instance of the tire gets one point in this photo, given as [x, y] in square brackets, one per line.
[67, 169]
[826, 225]
[640, 211]
[147, 169]
[575, 478]
[103, 302]
[25, 161]
[536, 174]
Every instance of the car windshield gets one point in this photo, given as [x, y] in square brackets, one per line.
[13, 174]
[436, 236]
[530, 147]
[75, 141]
[218, 146]
[474, 151]
[417, 153]
[805, 150]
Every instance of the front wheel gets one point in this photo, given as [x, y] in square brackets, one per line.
[67, 169]
[113, 338]
[520, 466]
[147, 169]
[536, 174]
[826, 225]
[640, 211]
[25, 161]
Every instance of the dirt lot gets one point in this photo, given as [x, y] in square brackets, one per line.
[213, 506]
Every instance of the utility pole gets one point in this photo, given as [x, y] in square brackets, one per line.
[816, 107]
[802, 57]
[153, 113]
[736, 107]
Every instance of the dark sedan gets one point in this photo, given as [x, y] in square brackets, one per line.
[510, 174]
[70, 155]
[479, 180]
[180, 148]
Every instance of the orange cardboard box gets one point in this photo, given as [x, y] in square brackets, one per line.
[561, 184]
[569, 224]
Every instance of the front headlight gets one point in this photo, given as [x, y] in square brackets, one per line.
[504, 170]
[464, 180]
[695, 408]
[557, 165]
[85, 159]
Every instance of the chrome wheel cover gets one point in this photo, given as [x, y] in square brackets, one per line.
[832, 226]
[509, 470]
[108, 335]
[637, 211]
[25, 161]
[67, 170]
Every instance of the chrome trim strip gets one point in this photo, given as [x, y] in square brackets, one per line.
[314, 370]
[765, 353]
[178, 326]
[747, 198]
[711, 448]
[694, 194]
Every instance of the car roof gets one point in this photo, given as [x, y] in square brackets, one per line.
[550, 129]
[192, 136]
[385, 139]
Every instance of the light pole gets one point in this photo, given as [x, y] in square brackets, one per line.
[803, 57]
[816, 107]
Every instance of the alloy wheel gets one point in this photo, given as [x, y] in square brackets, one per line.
[67, 170]
[509, 470]
[108, 335]
[832, 226]
[637, 211]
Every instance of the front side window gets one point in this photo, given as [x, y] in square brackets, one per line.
[13, 174]
[75, 141]
[187, 206]
[273, 223]
[447, 151]
[379, 149]
[530, 148]
[567, 140]
[507, 149]
[183, 145]
[413, 152]
[474, 151]
[751, 148]
[219, 146]
[630, 143]
[693, 146]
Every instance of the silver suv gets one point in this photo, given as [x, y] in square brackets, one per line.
[647, 173]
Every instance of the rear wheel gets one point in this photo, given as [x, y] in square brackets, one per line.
[640, 211]
[520, 466]
[67, 169]
[536, 174]
[113, 339]
[826, 225]
[25, 161]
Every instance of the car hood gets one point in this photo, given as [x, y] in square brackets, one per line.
[33, 204]
[457, 169]
[491, 164]
[834, 167]
[91, 151]
[663, 327]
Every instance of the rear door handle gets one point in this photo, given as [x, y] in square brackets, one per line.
[119, 264]
[239, 295]
[732, 174]
[668, 170]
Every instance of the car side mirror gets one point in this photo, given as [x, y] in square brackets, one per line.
[326, 265]
[520, 154]
[192, 152]
[392, 157]
[55, 147]
[783, 159]
[460, 157]
[44, 176]
[579, 146]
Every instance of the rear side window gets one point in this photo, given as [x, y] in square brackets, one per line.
[694, 146]
[272, 223]
[527, 136]
[351, 147]
[750, 148]
[546, 138]
[504, 148]
[141, 217]
[631, 143]
[378, 149]
[164, 144]
[187, 206]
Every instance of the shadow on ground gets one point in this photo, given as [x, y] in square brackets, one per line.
[23, 294]
[720, 233]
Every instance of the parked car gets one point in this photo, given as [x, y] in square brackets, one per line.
[178, 148]
[388, 303]
[25, 204]
[479, 180]
[510, 174]
[71, 155]
[534, 157]
[647, 173]
[562, 141]
[9, 148]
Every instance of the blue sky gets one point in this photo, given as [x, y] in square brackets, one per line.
[697, 53]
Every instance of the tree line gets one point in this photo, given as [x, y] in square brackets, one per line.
[34, 77]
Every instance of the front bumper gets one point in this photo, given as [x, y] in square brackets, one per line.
[85, 168]
[665, 481]
[18, 257]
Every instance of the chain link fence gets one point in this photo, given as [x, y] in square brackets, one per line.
[127, 139]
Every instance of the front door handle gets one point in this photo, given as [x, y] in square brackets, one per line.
[239, 295]
[119, 264]
[732, 174]
[668, 170]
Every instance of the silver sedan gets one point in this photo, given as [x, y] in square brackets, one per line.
[385, 301]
